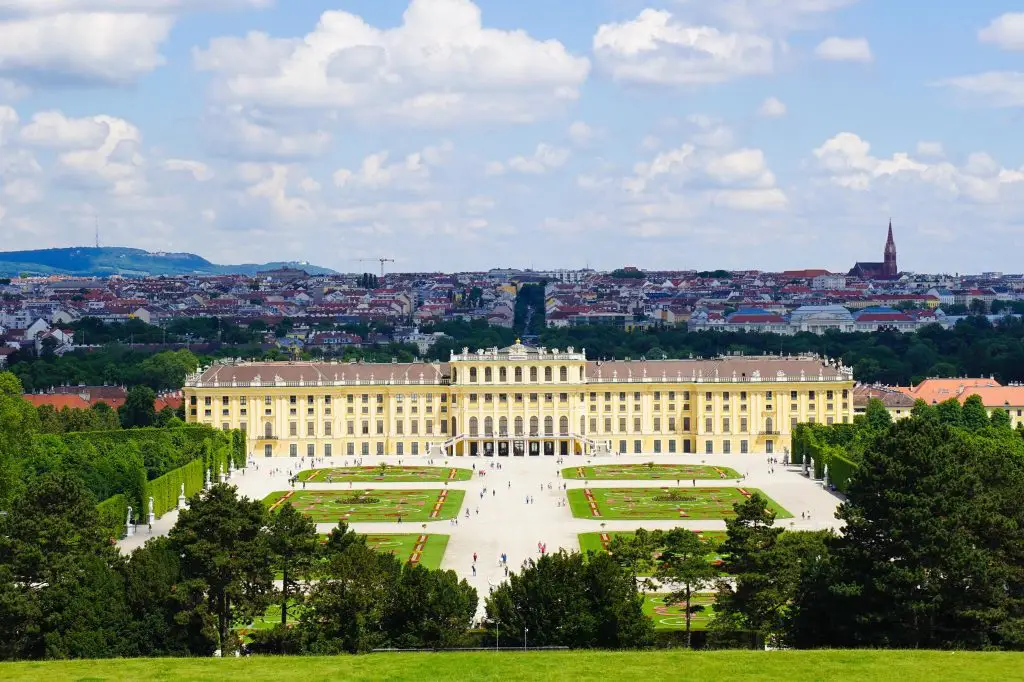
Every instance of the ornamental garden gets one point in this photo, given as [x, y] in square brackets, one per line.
[369, 505]
[649, 471]
[662, 503]
[384, 473]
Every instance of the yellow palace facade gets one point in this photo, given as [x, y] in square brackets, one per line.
[520, 401]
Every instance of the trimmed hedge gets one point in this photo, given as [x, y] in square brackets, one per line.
[113, 513]
[840, 470]
[166, 489]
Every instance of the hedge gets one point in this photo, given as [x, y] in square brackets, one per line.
[840, 469]
[113, 513]
[166, 489]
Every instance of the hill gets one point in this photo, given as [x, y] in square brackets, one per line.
[115, 260]
[571, 666]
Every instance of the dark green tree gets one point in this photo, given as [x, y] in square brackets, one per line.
[293, 547]
[973, 414]
[950, 412]
[683, 566]
[138, 409]
[225, 556]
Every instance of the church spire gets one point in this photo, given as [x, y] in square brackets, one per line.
[889, 268]
[890, 240]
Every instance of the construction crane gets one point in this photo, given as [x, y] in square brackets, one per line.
[382, 261]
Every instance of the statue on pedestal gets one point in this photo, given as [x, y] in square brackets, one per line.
[129, 528]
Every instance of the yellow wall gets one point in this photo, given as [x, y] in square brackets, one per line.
[656, 417]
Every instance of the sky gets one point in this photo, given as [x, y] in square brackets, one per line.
[470, 134]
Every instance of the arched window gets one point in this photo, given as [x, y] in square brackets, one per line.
[533, 374]
[502, 375]
[473, 430]
[519, 426]
[547, 374]
[455, 375]
[503, 426]
[488, 426]
[563, 426]
[549, 426]
[563, 373]
[487, 375]
[533, 426]
[768, 425]
[519, 375]
[472, 375]
[268, 430]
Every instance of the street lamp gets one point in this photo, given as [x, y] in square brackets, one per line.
[525, 630]
[497, 633]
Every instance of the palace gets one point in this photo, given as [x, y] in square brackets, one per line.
[521, 401]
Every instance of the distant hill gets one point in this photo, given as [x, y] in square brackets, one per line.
[115, 260]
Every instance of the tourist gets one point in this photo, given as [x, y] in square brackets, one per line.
[474, 569]
[474, 557]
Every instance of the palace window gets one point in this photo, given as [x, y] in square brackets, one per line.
[488, 426]
[380, 427]
[293, 429]
[547, 374]
[472, 375]
[327, 428]
[636, 424]
[672, 424]
[519, 426]
[502, 374]
[533, 374]
[533, 426]
[563, 373]
[503, 426]
[607, 424]
[487, 375]
[473, 429]
[709, 425]
[725, 425]
[549, 426]
[563, 426]
[657, 423]
[518, 374]
[622, 424]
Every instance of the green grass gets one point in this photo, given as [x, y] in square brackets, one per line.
[392, 474]
[551, 666]
[673, 616]
[592, 542]
[642, 503]
[646, 472]
[403, 545]
[331, 506]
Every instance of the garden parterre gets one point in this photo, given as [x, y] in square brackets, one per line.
[661, 503]
[369, 505]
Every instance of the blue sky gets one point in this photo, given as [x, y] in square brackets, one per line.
[469, 134]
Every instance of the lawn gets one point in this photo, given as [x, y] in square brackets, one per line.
[551, 666]
[673, 616]
[649, 472]
[661, 503]
[426, 549]
[599, 542]
[331, 506]
[389, 474]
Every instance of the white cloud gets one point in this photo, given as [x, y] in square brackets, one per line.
[411, 173]
[116, 164]
[848, 162]
[581, 133]
[250, 135]
[772, 107]
[933, 149]
[197, 169]
[1006, 31]
[440, 67]
[657, 48]
[544, 158]
[844, 49]
[778, 15]
[993, 88]
[54, 129]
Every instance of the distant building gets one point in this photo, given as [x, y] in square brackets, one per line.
[887, 269]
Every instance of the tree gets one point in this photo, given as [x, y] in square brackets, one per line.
[635, 552]
[138, 409]
[950, 413]
[973, 414]
[930, 553]
[429, 609]
[293, 547]
[1000, 419]
[978, 307]
[753, 602]
[877, 416]
[60, 593]
[563, 600]
[225, 556]
[19, 422]
[684, 564]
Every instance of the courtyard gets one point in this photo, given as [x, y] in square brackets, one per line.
[662, 503]
[516, 504]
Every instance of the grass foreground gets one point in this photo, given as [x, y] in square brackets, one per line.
[571, 666]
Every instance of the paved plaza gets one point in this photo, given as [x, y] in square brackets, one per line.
[501, 521]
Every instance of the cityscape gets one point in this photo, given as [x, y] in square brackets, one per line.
[466, 339]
